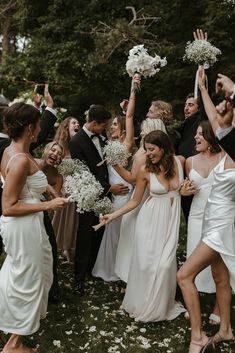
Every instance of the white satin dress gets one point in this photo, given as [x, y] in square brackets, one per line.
[204, 280]
[106, 258]
[126, 240]
[151, 284]
[26, 274]
[218, 225]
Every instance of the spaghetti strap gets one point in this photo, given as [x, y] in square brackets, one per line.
[10, 159]
[17, 154]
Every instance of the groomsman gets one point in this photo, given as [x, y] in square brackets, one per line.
[87, 146]
[193, 115]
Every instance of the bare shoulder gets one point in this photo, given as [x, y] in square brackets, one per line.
[181, 159]
[143, 174]
[15, 162]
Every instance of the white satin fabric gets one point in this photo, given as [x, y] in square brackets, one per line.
[218, 224]
[126, 240]
[151, 284]
[105, 262]
[204, 280]
[26, 274]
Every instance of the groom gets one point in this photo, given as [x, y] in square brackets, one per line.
[87, 146]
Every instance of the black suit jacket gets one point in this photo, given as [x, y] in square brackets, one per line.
[228, 143]
[187, 131]
[82, 148]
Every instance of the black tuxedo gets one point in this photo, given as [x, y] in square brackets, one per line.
[88, 241]
[228, 143]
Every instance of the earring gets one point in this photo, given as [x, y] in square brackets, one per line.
[209, 148]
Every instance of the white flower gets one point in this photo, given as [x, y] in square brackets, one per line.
[201, 52]
[57, 343]
[84, 189]
[69, 332]
[92, 329]
[69, 166]
[116, 153]
[139, 61]
[103, 206]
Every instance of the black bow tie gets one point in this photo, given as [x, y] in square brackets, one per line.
[96, 135]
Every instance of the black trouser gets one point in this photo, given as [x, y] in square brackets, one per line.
[87, 244]
[186, 204]
[51, 235]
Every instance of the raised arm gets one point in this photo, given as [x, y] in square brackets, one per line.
[129, 140]
[208, 104]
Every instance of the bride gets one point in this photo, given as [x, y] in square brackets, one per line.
[122, 129]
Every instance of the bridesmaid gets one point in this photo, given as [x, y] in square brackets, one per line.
[52, 156]
[26, 274]
[151, 284]
[200, 170]
[65, 222]
[127, 231]
[216, 248]
[122, 129]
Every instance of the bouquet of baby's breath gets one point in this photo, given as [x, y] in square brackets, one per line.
[139, 61]
[103, 206]
[115, 153]
[83, 189]
[69, 166]
[201, 52]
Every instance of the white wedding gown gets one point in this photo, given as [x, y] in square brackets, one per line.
[126, 240]
[151, 285]
[26, 274]
[218, 225]
[204, 280]
[104, 265]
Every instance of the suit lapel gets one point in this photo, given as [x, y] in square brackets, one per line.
[90, 145]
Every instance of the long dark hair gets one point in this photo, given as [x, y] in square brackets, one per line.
[18, 116]
[209, 136]
[166, 163]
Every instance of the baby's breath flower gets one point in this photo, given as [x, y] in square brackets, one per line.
[116, 153]
[201, 52]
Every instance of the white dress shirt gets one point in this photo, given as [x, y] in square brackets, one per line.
[95, 140]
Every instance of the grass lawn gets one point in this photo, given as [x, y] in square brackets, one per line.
[96, 324]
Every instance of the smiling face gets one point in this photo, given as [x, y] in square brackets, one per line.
[115, 130]
[201, 144]
[151, 112]
[53, 155]
[153, 152]
[190, 107]
[73, 127]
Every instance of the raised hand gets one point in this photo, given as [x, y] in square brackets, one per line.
[200, 35]
[224, 83]
[48, 98]
[225, 113]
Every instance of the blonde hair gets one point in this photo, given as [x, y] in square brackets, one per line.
[163, 110]
[148, 125]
